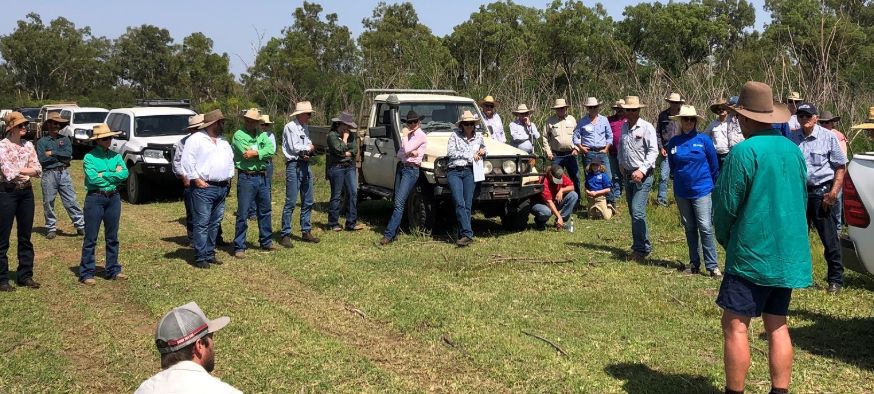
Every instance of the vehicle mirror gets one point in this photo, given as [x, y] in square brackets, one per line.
[377, 132]
[122, 136]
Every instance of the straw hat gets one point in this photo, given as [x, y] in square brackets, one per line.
[56, 117]
[102, 131]
[618, 104]
[195, 121]
[488, 100]
[756, 102]
[591, 102]
[794, 96]
[687, 111]
[303, 107]
[211, 117]
[674, 98]
[345, 118]
[827, 116]
[253, 114]
[265, 119]
[632, 102]
[521, 109]
[869, 123]
[718, 106]
[560, 103]
[466, 116]
[14, 119]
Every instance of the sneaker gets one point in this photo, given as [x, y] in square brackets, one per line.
[834, 288]
[200, 264]
[80, 231]
[5, 287]
[385, 241]
[356, 227]
[463, 241]
[88, 282]
[336, 228]
[51, 235]
[286, 241]
[29, 282]
[119, 276]
[309, 237]
[240, 254]
[716, 273]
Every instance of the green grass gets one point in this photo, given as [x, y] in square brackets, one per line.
[419, 315]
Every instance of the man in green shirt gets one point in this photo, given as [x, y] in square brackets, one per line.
[252, 147]
[759, 210]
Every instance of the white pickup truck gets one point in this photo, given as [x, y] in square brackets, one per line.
[857, 247]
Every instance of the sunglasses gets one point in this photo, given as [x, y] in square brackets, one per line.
[104, 139]
[471, 124]
[488, 106]
[688, 119]
[632, 110]
[411, 122]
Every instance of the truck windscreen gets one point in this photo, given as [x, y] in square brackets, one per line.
[155, 125]
[438, 116]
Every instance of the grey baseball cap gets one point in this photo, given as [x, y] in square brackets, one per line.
[183, 326]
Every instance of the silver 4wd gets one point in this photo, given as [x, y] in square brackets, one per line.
[146, 145]
[511, 175]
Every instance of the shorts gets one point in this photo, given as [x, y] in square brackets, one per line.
[742, 297]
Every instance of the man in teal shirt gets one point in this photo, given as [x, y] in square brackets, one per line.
[759, 209]
[252, 148]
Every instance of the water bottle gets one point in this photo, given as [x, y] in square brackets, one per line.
[570, 225]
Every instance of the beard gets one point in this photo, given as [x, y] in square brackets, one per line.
[209, 362]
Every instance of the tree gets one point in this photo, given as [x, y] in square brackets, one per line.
[204, 75]
[144, 60]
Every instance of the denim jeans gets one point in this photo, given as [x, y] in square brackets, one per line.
[697, 216]
[405, 181]
[56, 183]
[18, 206]
[837, 212]
[209, 208]
[343, 178]
[616, 176]
[589, 158]
[100, 208]
[565, 208]
[189, 214]
[298, 179]
[572, 168]
[462, 186]
[253, 190]
[824, 222]
[664, 178]
[637, 197]
[269, 170]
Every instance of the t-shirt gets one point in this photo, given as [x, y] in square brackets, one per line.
[598, 181]
[550, 189]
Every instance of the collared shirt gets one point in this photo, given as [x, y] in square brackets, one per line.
[760, 212]
[794, 124]
[185, 377]
[104, 170]
[207, 159]
[550, 189]
[822, 153]
[638, 148]
[337, 148]
[842, 140]
[14, 158]
[666, 128]
[693, 164]
[523, 137]
[295, 140]
[598, 181]
[178, 148]
[415, 141]
[593, 133]
[244, 141]
[558, 135]
[460, 149]
[616, 122]
[61, 148]
[497, 127]
[725, 135]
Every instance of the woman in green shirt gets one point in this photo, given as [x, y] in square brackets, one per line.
[341, 171]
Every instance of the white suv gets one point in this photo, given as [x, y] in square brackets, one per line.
[146, 145]
[82, 122]
[858, 245]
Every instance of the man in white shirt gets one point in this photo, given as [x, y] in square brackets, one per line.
[184, 338]
[194, 122]
[208, 163]
[492, 119]
[298, 149]
[523, 133]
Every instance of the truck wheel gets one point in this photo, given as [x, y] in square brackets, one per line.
[420, 210]
[136, 188]
[516, 218]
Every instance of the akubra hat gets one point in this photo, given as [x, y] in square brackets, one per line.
[488, 100]
[869, 123]
[674, 98]
[591, 102]
[718, 106]
[303, 107]
[56, 117]
[794, 96]
[211, 117]
[265, 119]
[253, 114]
[827, 116]
[345, 118]
[102, 131]
[412, 115]
[756, 101]
[195, 121]
[687, 111]
[466, 116]
[633, 102]
[521, 109]
[14, 119]
[560, 103]
[618, 104]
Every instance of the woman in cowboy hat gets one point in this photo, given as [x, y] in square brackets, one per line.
[492, 118]
[410, 154]
[341, 171]
[694, 166]
[266, 127]
[465, 147]
[523, 133]
[55, 152]
[19, 163]
[105, 171]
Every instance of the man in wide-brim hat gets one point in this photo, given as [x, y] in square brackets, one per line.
[492, 119]
[523, 133]
[593, 137]
[718, 129]
[298, 148]
[765, 258]
[616, 121]
[637, 157]
[194, 122]
[558, 141]
[666, 129]
[55, 151]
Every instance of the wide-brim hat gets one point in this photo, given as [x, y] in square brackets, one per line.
[718, 106]
[687, 111]
[102, 130]
[253, 114]
[412, 115]
[521, 109]
[194, 121]
[56, 117]
[674, 98]
[827, 116]
[488, 100]
[633, 102]
[265, 119]
[618, 104]
[303, 107]
[466, 116]
[14, 119]
[869, 123]
[345, 118]
[560, 103]
[794, 96]
[591, 102]
[211, 117]
[756, 101]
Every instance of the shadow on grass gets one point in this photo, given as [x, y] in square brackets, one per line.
[99, 271]
[640, 378]
[185, 254]
[859, 281]
[623, 255]
[181, 240]
[848, 340]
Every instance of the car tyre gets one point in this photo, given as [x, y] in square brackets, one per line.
[420, 210]
[516, 217]
[136, 188]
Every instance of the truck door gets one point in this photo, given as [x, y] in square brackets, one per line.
[380, 151]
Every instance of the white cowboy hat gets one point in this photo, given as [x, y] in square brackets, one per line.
[687, 111]
[265, 119]
[869, 123]
[674, 98]
[466, 116]
[591, 102]
[253, 114]
[303, 107]
[794, 96]
[521, 109]
[560, 103]
[618, 104]
[195, 121]
[488, 100]
[632, 102]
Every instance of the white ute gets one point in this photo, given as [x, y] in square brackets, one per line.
[857, 247]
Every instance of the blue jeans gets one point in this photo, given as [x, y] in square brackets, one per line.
[208, 208]
[572, 168]
[698, 222]
[565, 208]
[664, 177]
[637, 196]
[269, 169]
[343, 177]
[837, 212]
[253, 190]
[590, 157]
[16, 206]
[100, 208]
[405, 181]
[298, 179]
[616, 190]
[56, 183]
[462, 186]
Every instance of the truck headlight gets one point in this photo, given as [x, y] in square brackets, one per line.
[488, 167]
[509, 166]
[81, 134]
[154, 156]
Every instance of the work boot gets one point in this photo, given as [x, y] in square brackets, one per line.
[286, 241]
[308, 237]
[463, 241]
[240, 254]
[119, 276]
[385, 241]
[51, 235]
[88, 282]
[29, 282]
[5, 287]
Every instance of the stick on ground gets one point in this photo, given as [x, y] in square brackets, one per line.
[551, 343]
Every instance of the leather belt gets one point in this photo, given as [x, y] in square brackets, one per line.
[58, 169]
[821, 186]
[262, 172]
[10, 187]
[105, 193]
[219, 184]
[411, 165]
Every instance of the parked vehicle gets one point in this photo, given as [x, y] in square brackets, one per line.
[511, 176]
[46, 111]
[82, 122]
[31, 113]
[857, 246]
[146, 145]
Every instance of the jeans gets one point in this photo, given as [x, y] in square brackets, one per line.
[462, 186]
[637, 196]
[616, 190]
[17, 205]
[209, 208]
[589, 158]
[837, 212]
[189, 214]
[107, 209]
[343, 178]
[542, 213]
[405, 181]
[298, 179]
[697, 216]
[824, 222]
[664, 177]
[572, 168]
[269, 170]
[56, 183]
[253, 190]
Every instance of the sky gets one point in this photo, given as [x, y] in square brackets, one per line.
[238, 28]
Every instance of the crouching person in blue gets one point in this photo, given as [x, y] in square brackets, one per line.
[105, 171]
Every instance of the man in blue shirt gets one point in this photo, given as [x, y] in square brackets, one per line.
[54, 152]
[593, 137]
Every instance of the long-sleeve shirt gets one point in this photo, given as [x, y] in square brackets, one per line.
[693, 163]
[725, 135]
[61, 148]
[337, 149]
[178, 148]
[207, 159]
[666, 128]
[822, 154]
[616, 122]
[415, 141]
[523, 137]
[558, 135]
[638, 146]
[593, 133]
[760, 212]
[104, 170]
[295, 140]
[244, 141]
[497, 127]
[14, 158]
[460, 149]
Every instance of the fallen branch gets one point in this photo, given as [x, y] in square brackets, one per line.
[677, 299]
[356, 311]
[551, 343]
[447, 340]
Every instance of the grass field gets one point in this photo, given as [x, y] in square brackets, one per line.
[419, 315]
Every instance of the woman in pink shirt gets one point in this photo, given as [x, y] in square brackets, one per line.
[410, 154]
[616, 121]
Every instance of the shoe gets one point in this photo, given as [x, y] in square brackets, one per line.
[6, 287]
[88, 282]
[286, 241]
[240, 254]
[80, 231]
[834, 288]
[662, 203]
[637, 257]
[270, 248]
[51, 235]
[716, 273]
[200, 264]
[220, 243]
[337, 228]
[119, 276]
[463, 241]
[690, 270]
[356, 227]
[29, 282]
[385, 241]
[308, 237]
[216, 261]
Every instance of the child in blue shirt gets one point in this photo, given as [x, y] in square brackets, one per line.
[598, 186]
